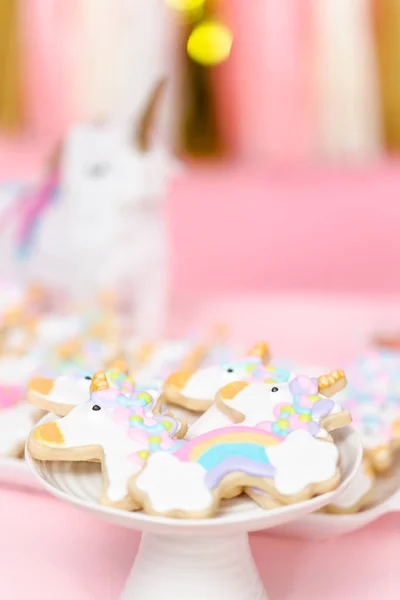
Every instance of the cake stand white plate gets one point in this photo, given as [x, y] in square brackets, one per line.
[322, 526]
[186, 559]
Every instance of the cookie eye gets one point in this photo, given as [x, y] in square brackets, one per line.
[275, 389]
[96, 407]
[88, 377]
[230, 370]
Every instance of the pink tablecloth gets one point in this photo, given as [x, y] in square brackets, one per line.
[51, 551]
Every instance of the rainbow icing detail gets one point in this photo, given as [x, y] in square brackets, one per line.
[231, 449]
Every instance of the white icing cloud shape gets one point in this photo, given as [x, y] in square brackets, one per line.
[301, 460]
[173, 485]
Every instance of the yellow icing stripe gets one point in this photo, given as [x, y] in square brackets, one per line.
[254, 438]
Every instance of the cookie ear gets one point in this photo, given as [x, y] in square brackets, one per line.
[59, 395]
[48, 434]
[147, 120]
[119, 365]
[226, 395]
[331, 383]
[261, 349]
[178, 379]
[39, 391]
[194, 358]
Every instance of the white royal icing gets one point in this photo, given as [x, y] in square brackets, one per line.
[213, 418]
[358, 488]
[173, 485]
[205, 383]
[70, 390]
[256, 402]
[85, 427]
[164, 359]
[300, 460]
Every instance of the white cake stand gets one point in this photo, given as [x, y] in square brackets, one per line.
[191, 559]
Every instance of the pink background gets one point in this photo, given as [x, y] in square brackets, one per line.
[310, 229]
[235, 228]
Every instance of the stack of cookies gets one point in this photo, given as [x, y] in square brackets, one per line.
[36, 341]
[251, 428]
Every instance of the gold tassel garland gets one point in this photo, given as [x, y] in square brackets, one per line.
[11, 117]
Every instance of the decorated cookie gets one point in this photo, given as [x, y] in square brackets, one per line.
[61, 394]
[120, 431]
[153, 362]
[270, 440]
[376, 418]
[191, 481]
[376, 372]
[282, 407]
[373, 398]
[358, 494]
[196, 389]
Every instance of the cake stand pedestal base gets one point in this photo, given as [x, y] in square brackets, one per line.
[198, 567]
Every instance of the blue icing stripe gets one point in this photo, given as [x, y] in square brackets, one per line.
[299, 409]
[176, 446]
[159, 428]
[213, 456]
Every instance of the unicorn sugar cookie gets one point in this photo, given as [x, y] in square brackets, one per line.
[120, 431]
[191, 481]
[153, 362]
[284, 404]
[62, 394]
[271, 442]
[196, 389]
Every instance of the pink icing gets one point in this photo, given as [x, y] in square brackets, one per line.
[10, 395]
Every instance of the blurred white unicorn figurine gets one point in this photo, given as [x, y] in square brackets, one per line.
[106, 231]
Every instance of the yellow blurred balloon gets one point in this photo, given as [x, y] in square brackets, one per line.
[210, 43]
[185, 5]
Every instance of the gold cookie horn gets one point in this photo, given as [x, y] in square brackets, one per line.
[99, 382]
[331, 383]
[261, 349]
